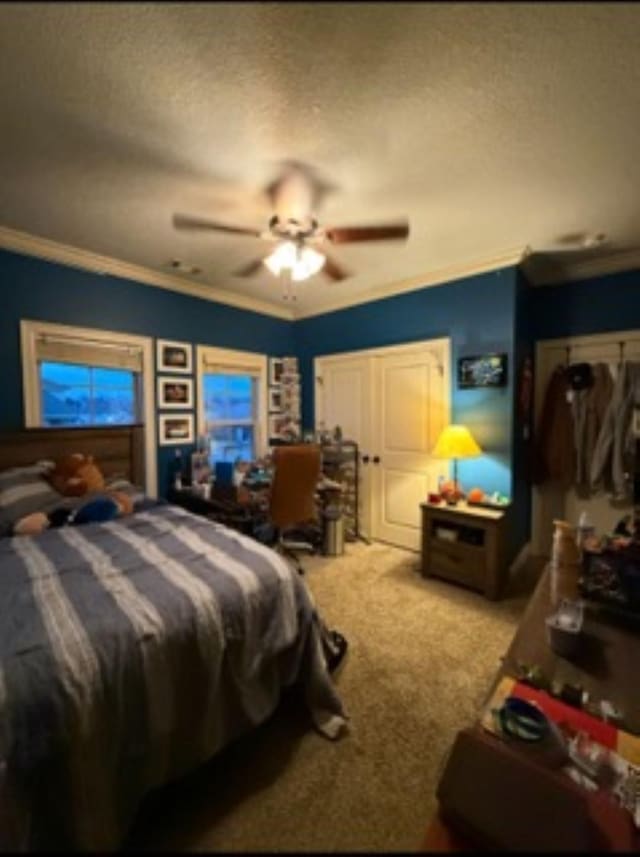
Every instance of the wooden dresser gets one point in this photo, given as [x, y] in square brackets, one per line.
[466, 545]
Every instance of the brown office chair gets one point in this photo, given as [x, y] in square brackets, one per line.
[292, 500]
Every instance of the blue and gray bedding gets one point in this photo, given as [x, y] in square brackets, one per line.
[132, 651]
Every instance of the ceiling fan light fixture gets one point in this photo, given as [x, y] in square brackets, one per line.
[308, 263]
[302, 262]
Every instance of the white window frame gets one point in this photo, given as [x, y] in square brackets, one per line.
[31, 331]
[244, 362]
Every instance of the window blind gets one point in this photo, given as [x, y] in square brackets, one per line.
[219, 367]
[91, 352]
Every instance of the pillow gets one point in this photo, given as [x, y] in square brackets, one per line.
[24, 490]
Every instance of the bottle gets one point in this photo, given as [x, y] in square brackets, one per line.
[584, 530]
[177, 470]
[565, 559]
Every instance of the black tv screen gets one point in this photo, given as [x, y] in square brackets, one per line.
[485, 370]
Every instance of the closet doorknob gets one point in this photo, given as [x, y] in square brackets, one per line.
[365, 459]
[376, 459]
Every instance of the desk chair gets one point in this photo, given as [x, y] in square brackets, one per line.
[295, 476]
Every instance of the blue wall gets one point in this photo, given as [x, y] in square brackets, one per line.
[31, 288]
[596, 305]
[476, 312]
[496, 311]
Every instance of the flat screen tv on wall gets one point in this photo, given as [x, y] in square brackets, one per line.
[484, 370]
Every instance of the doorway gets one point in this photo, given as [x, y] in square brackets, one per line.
[549, 501]
[393, 402]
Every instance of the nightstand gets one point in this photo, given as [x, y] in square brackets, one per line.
[466, 545]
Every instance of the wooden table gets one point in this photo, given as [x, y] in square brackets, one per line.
[606, 666]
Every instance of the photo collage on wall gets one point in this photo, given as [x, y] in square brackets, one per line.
[284, 399]
[175, 393]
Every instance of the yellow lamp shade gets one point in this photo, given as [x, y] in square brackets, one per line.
[456, 441]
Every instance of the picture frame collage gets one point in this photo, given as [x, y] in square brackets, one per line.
[175, 392]
[284, 399]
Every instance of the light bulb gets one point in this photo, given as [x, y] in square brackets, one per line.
[284, 256]
[303, 262]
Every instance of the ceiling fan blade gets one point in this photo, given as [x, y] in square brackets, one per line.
[332, 269]
[249, 269]
[183, 221]
[348, 234]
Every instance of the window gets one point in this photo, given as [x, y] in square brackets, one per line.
[82, 377]
[82, 395]
[232, 397]
[86, 382]
[230, 413]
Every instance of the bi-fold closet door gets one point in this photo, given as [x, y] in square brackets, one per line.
[393, 402]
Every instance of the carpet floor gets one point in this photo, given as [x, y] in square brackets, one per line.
[422, 654]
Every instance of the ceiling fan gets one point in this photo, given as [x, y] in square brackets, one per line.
[300, 240]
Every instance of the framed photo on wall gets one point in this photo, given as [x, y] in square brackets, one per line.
[276, 368]
[277, 424]
[174, 356]
[175, 392]
[174, 429]
[275, 400]
[484, 370]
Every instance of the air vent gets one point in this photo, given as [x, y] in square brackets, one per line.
[184, 267]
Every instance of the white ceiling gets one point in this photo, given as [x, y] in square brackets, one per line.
[490, 126]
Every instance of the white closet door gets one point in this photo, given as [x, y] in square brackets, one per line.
[393, 402]
[411, 406]
[343, 398]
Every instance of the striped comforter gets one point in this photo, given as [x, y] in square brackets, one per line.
[132, 651]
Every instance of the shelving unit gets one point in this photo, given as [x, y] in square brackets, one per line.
[340, 463]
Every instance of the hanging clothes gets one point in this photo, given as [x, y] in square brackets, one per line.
[607, 467]
[623, 439]
[588, 410]
[554, 458]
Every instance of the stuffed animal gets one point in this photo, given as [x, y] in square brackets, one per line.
[76, 475]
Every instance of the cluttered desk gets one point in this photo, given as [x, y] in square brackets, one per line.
[240, 496]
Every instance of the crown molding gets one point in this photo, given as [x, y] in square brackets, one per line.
[44, 248]
[614, 263]
[433, 278]
[566, 271]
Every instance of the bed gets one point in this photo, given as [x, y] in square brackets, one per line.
[132, 650]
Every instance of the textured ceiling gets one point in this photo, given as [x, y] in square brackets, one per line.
[490, 126]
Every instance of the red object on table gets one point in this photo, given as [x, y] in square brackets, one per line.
[434, 498]
[558, 711]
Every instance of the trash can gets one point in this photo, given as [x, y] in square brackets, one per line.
[334, 535]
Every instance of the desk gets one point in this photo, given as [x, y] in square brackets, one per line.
[224, 506]
[606, 666]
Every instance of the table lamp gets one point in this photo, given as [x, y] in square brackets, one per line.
[456, 442]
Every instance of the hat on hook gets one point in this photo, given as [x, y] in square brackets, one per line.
[580, 376]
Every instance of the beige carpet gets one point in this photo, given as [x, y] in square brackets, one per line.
[422, 654]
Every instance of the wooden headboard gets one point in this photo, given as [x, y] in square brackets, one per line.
[117, 450]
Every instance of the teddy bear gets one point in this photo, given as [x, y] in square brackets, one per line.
[76, 475]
